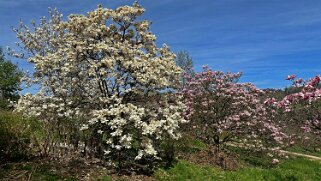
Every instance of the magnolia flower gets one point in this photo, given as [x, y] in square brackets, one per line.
[290, 77]
[275, 161]
[106, 152]
[84, 127]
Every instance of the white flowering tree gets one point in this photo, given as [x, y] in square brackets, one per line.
[103, 72]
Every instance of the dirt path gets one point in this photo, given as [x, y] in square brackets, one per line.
[301, 154]
[311, 157]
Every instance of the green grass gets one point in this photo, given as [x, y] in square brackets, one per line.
[295, 169]
[105, 178]
[187, 171]
[188, 144]
[251, 158]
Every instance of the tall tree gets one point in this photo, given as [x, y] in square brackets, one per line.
[100, 69]
[185, 62]
[10, 76]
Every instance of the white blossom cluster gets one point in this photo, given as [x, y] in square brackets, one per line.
[93, 67]
[125, 122]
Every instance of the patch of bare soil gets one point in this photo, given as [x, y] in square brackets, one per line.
[133, 177]
[211, 157]
[39, 169]
[75, 169]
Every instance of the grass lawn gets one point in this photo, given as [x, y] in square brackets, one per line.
[254, 169]
[293, 169]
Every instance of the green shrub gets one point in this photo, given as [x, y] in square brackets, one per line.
[18, 136]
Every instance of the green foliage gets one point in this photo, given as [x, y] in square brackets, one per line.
[292, 89]
[10, 77]
[17, 134]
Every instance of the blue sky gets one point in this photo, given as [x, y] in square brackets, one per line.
[266, 40]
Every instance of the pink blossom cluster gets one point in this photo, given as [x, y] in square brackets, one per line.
[304, 99]
[309, 92]
[221, 109]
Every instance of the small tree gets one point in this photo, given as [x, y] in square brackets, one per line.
[10, 76]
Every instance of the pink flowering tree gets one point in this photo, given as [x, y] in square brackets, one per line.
[220, 109]
[302, 108]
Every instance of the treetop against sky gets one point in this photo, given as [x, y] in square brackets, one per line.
[266, 40]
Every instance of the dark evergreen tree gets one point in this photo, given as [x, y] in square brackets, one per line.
[10, 76]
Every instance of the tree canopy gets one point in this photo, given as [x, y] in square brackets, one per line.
[184, 61]
[100, 69]
[10, 76]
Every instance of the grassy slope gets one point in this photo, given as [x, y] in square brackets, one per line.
[294, 169]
